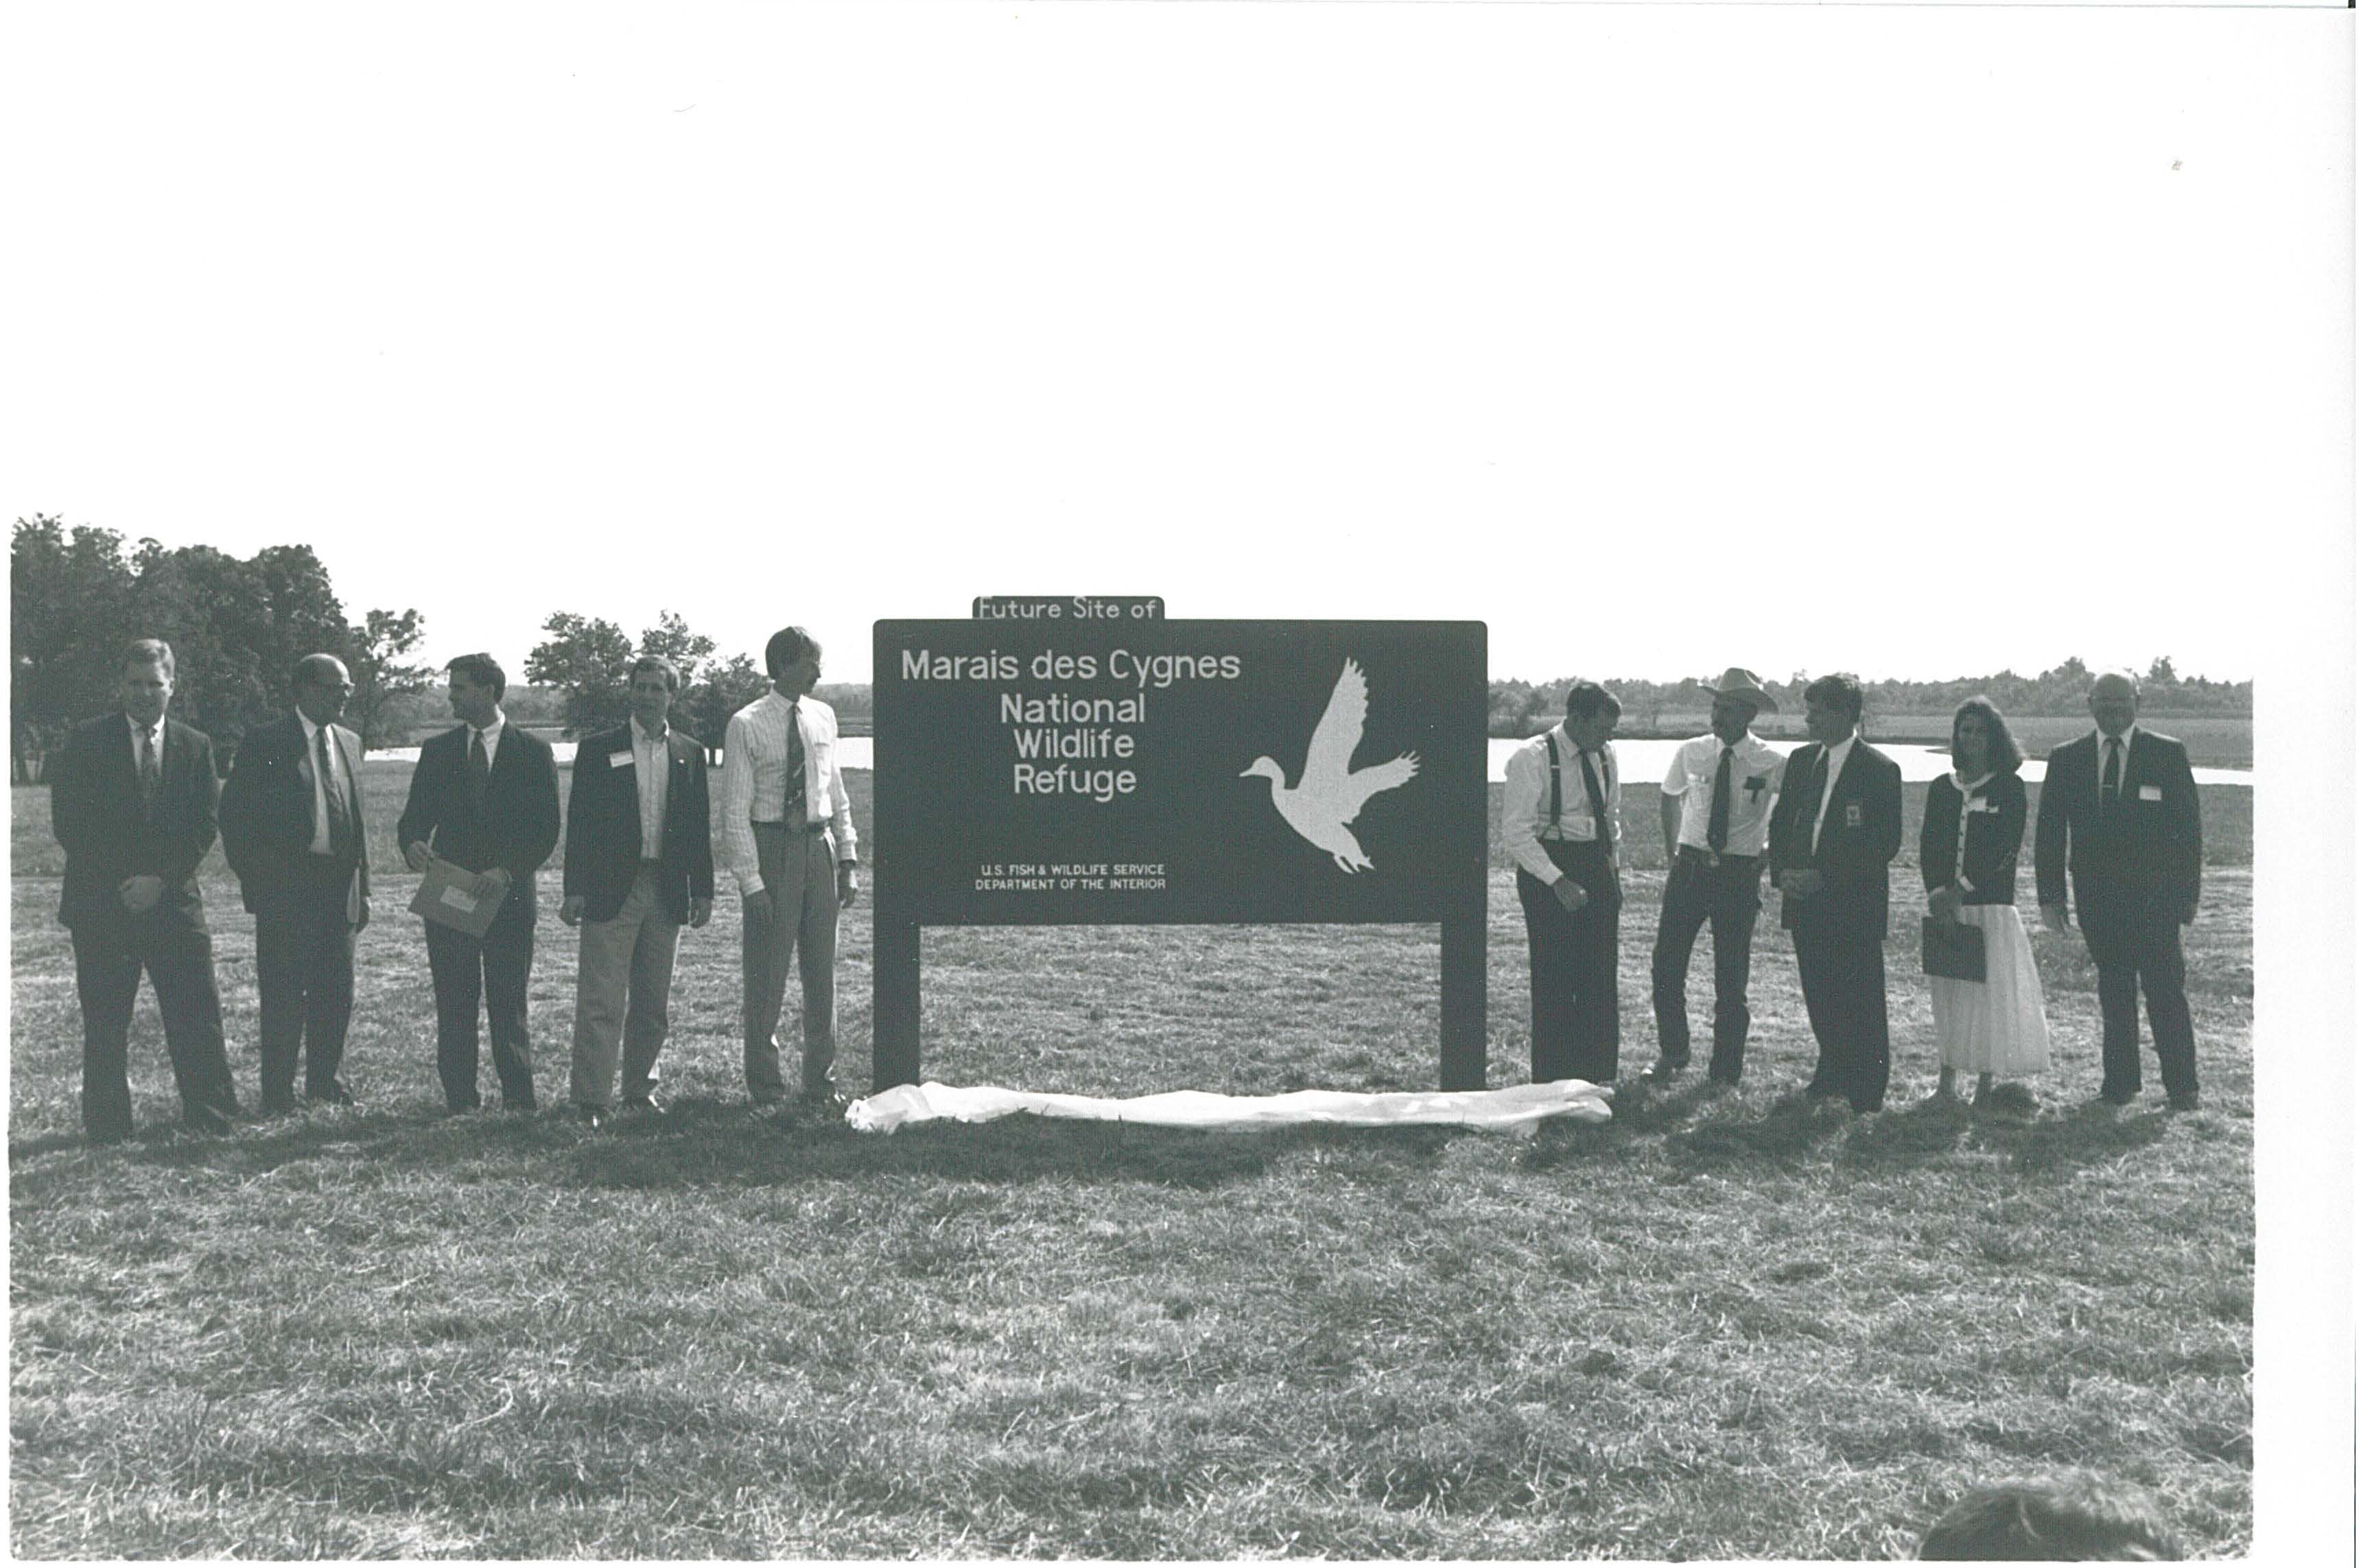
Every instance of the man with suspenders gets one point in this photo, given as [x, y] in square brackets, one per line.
[1560, 819]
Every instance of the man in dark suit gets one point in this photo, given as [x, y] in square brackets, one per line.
[292, 827]
[2118, 809]
[133, 799]
[485, 797]
[1832, 838]
[638, 864]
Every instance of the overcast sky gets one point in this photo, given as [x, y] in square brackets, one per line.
[1917, 341]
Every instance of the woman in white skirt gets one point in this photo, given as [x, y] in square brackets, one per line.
[1994, 1027]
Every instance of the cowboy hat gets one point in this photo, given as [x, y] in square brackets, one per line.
[1735, 682]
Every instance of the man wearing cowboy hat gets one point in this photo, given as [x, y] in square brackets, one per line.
[1715, 805]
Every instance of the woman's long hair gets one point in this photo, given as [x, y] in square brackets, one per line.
[2001, 754]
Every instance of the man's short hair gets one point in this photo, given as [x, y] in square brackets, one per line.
[150, 651]
[2069, 1518]
[1587, 700]
[1842, 691]
[481, 670]
[785, 646]
[656, 661]
[314, 669]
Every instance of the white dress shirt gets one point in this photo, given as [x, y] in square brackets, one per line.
[155, 734]
[491, 733]
[1524, 818]
[1694, 767]
[2128, 737]
[652, 761]
[320, 783]
[754, 781]
[1837, 756]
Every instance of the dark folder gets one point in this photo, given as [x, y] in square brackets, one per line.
[1953, 950]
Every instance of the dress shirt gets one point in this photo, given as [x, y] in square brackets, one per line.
[754, 781]
[1694, 766]
[652, 761]
[1968, 791]
[155, 734]
[2127, 738]
[1832, 760]
[318, 783]
[1524, 817]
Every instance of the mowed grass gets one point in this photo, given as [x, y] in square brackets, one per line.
[1710, 1328]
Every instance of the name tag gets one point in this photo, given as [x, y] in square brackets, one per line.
[620, 759]
[2149, 791]
[462, 902]
[1979, 804]
[1852, 816]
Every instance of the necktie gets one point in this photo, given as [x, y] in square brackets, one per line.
[1715, 832]
[479, 771]
[1814, 803]
[151, 773]
[332, 789]
[2113, 785]
[1597, 812]
[798, 802]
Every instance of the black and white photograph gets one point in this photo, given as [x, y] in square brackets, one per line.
[1173, 781]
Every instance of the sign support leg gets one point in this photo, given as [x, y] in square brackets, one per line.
[1465, 1039]
[894, 1011]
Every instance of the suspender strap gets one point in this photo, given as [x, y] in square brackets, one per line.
[1556, 787]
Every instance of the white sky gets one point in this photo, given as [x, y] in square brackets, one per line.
[1917, 340]
[1657, 338]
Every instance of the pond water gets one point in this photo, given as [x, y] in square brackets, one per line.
[1643, 761]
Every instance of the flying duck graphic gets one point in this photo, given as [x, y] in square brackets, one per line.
[1324, 804]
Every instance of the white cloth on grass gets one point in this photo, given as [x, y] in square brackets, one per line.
[1519, 1106]
[1996, 1024]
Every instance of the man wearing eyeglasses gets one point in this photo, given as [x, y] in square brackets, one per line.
[293, 830]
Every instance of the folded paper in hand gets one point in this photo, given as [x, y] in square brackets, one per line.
[453, 896]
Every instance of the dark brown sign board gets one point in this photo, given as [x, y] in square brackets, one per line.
[1147, 771]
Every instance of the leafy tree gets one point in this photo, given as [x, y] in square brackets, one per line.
[68, 617]
[589, 661]
[671, 638]
[376, 655]
[703, 709]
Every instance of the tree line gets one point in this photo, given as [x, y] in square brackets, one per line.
[1522, 707]
[78, 595]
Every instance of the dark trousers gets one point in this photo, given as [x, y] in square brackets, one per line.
[303, 969]
[2134, 941]
[496, 972]
[1843, 987]
[179, 961]
[1729, 896]
[1576, 1011]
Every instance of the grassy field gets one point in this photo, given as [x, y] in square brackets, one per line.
[1710, 1328]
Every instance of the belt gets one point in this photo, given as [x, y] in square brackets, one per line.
[1713, 857]
[817, 827]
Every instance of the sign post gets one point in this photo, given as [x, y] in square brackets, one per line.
[1144, 771]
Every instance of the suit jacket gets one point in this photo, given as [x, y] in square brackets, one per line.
[602, 826]
[2150, 848]
[95, 812]
[1994, 827]
[266, 815]
[1857, 846]
[517, 827]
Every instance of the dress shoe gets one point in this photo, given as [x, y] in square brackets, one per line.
[2189, 1101]
[2117, 1099]
[107, 1138]
[209, 1119]
[1664, 1072]
[520, 1107]
[332, 1094]
[643, 1105]
[592, 1116]
[277, 1104]
[824, 1105]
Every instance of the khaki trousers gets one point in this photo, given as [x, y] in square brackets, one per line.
[798, 870]
[630, 957]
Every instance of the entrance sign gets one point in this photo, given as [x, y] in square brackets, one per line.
[1150, 771]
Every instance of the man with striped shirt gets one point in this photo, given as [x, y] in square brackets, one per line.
[787, 834]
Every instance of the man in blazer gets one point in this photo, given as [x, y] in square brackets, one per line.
[2119, 811]
[1832, 838]
[485, 797]
[133, 799]
[638, 864]
[293, 830]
